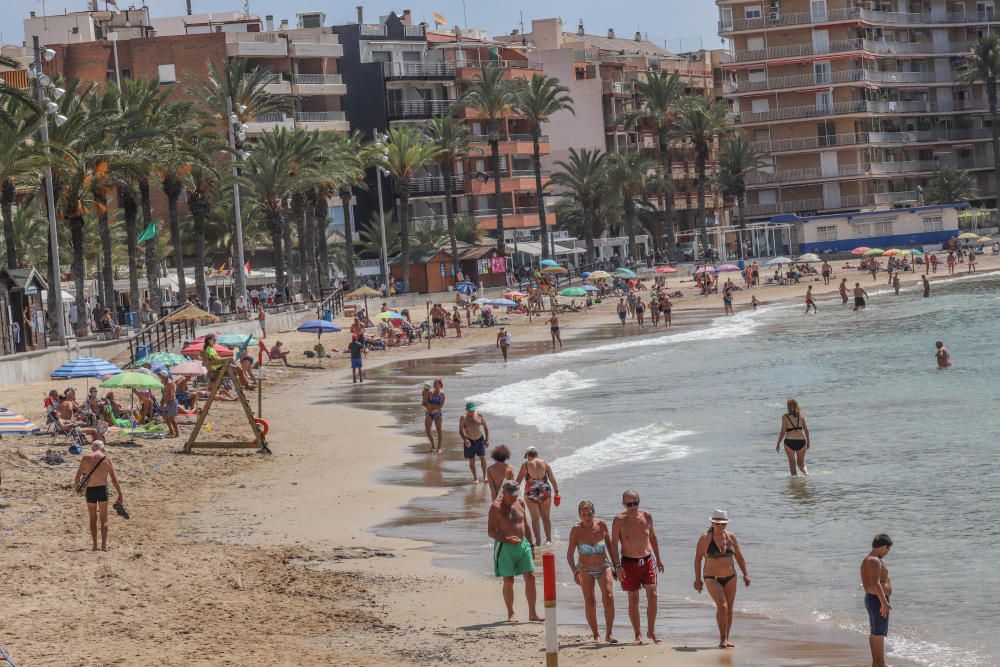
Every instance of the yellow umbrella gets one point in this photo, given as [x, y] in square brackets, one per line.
[968, 235]
[598, 275]
[554, 269]
[984, 239]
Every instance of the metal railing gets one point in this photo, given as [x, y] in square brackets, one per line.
[419, 108]
[894, 197]
[299, 38]
[372, 30]
[161, 336]
[434, 185]
[482, 138]
[618, 87]
[790, 206]
[315, 79]
[479, 63]
[319, 116]
[270, 117]
[792, 51]
[829, 78]
[403, 70]
[800, 112]
[808, 143]
[267, 78]
[414, 30]
[791, 18]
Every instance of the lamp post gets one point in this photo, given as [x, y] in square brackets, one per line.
[237, 130]
[379, 171]
[43, 84]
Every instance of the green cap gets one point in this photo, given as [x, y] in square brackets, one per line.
[470, 406]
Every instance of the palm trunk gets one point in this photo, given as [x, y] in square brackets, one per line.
[536, 161]
[152, 253]
[127, 202]
[309, 274]
[668, 198]
[702, 228]
[299, 215]
[199, 208]
[76, 236]
[322, 252]
[288, 255]
[104, 227]
[7, 194]
[991, 94]
[495, 154]
[448, 168]
[588, 229]
[404, 232]
[630, 227]
[172, 188]
[275, 223]
[345, 205]
[741, 198]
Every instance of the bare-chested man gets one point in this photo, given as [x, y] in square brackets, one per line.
[170, 406]
[878, 587]
[475, 438]
[512, 551]
[93, 474]
[859, 296]
[843, 290]
[632, 532]
[66, 416]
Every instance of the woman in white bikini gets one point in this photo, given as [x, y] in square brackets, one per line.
[597, 552]
[795, 433]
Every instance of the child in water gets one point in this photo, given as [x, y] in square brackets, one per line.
[943, 355]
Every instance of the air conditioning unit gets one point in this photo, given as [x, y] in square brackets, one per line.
[648, 141]
[774, 16]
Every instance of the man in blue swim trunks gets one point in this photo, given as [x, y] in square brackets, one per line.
[357, 349]
[475, 438]
[512, 551]
[878, 587]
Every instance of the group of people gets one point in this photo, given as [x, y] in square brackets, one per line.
[659, 305]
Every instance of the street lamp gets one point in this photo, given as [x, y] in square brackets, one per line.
[379, 172]
[237, 130]
[43, 86]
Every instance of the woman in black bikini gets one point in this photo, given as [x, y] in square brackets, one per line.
[719, 549]
[795, 433]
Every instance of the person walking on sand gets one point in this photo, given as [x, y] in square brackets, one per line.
[951, 263]
[92, 478]
[262, 320]
[640, 311]
[927, 286]
[170, 406]
[553, 323]
[972, 261]
[433, 402]
[357, 350]
[475, 435]
[843, 290]
[721, 553]
[513, 553]
[499, 472]
[539, 486]
[640, 552]
[942, 355]
[597, 552]
[622, 311]
[810, 302]
[503, 342]
[895, 283]
[878, 589]
[859, 296]
[827, 271]
[795, 433]
[666, 309]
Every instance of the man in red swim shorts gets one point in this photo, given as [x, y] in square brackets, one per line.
[632, 531]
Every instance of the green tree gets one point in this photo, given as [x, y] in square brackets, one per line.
[628, 173]
[738, 159]
[29, 227]
[583, 178]
[13, 99]
[702, 121]
[451, 137]
[540, 98]
[982, 64]
[402, 153]
[344, 168]
[949, 186]
[659, 97]
[491, 95]
[21, 162]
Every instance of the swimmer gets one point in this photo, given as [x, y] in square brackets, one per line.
[843, 290]
[810, 302]
[942, 355]
[859, 296]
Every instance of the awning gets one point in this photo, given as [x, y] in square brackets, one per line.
[534, 249]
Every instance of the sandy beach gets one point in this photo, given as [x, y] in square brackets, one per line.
[239, 558]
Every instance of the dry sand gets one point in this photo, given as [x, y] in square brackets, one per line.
[241, 558]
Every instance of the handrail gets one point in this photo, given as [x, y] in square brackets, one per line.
[160, 335]
[334, 302]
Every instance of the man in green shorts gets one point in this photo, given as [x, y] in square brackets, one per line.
[513, 553]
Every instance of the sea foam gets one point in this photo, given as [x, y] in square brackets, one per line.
[527, 402]
[646, 443]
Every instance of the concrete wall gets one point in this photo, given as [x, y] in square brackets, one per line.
[585, 129]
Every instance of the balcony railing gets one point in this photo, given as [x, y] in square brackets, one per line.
[269, 117]
[792, 51]
[894, 197]
[315, 79]
[370, 30]
[809, 143]
[618, 87]
[432, 185]
[805, 174]
[419, 108]
[403, 70]
[792, 18]
[790, 206]
[267, 79]
[482, 138]
[320, 116]
[830, 78]
[848, 13]
[859, 106]
[483, 212]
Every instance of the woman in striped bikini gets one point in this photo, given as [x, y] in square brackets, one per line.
[590, 538]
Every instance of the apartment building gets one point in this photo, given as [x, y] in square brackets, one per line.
[398, 73]
[856, 102]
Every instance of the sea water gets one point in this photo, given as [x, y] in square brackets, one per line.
[690, 420]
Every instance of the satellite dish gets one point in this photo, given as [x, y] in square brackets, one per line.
[438, 19]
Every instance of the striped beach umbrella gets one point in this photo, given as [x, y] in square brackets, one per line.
[11, 422]
[167, 359]
[86, 367]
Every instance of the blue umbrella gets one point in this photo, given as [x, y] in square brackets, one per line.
[591, 288]
[318, 327]
[86, 367]
[503, 302]
[585, 275]
[549, 262]
[467, 288]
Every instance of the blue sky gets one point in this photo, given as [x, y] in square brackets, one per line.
[670, 20]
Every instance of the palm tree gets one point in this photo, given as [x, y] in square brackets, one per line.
[344, 167]
[739, 159]
[982, 64]
[20, 164]
[583, 178]
[201, 183]
[402, 153]
[370, 236]
[242, 83]
[467, 230]
[452, 139]
[701, 121]
[949, 186]
[29, 228]
[659, 97]
[491, 94]
[540, 98]
[18, 97]
[628, 174]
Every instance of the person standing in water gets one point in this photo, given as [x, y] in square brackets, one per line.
[499, 472]
[622, 311]
[942, 355]
[843, 289]
[878, 588]
[475, 439]
[590, 537]
[927, 286]
[859, 296]
[810, 301]
[827, 271]
[540, 486]
[640, 552]
[553, 323]
[433, 402]
[513, 554]
[721, 553]
[795, 433]
[503, 342]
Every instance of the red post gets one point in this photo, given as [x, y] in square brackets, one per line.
[549, 590]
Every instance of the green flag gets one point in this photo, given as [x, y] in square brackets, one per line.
[148, 233]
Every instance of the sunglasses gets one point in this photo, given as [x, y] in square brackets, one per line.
[634, 503]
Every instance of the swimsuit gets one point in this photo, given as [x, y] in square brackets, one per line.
[795, 444]
[714, 552]
[510, 560]
[879, 624]
[475, 448]
[434, 400]
[638, 572]
[171, 408]
[593, 550]
[97, 494]
[537, 490]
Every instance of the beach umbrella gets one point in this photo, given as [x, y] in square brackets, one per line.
[190, 313]
[573, 291]
[860, 250]
[362, 292]
[777, 261]
[235, 339]
[86, 367]
[968, 235]
[466, 287]
[389, 315]
[874, 252]
[167, 359]
[598, 275]
[549, 262]
[514, 294]
[132, 380]
[622, 272]
[585, 275]
[318, 327]
[590, 288]
[912, 251]
[502, 302]
[727, 267]
[666, 269]
[194, 349]
[12, 422]
[190, 369]
[481, 301]
[705, 269]
[554, 269]
[891, 252]
[984, 239]
[809, 257]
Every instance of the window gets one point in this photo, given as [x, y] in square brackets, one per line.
[756, 75]
[381, 56]
[751, 12]
[862, 231]
[881, 229]
[827, 133]
[933, 223]
[826, 233]
[167, 74]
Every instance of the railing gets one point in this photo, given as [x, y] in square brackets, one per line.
[848, 13]
[785, 207]
[891, 48]
[434, 185]
[334, 302]
[808, 143]
[419, 108]
[618, 87]
[315, 79]
[398, 70]
[805, 174]
[414, 30]
[269, 117]
[800, 112]
[252, 37]
[267, 79]
[483, 212]
[842, 76]
[791, 18]
[483, 138]
[893, 197]
[903, 167]
[858, 106]
[160, 336]
[479, 63]
[369, 30]
[320, 116]
[792, 51]
[314, 39]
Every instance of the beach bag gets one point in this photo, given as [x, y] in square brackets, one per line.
[81, 489]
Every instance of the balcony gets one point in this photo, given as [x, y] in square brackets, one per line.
[859, 106]
[315, 46]
[266, 122]
[791, 19]
[486, 219]
[620, 88]
[832, 78]
[255, 45]
[398, 70]
[915, 48]
[273, 82]
[416, 109]
[317, 84]
[378, 31]
[792, 206]
[791, 51]
[894, 197]
[806, 174]
[335, 121]
[514, 144]
[510, 181]
[434, 186]
[852, 14]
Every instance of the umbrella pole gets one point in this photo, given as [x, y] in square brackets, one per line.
[430, 329]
